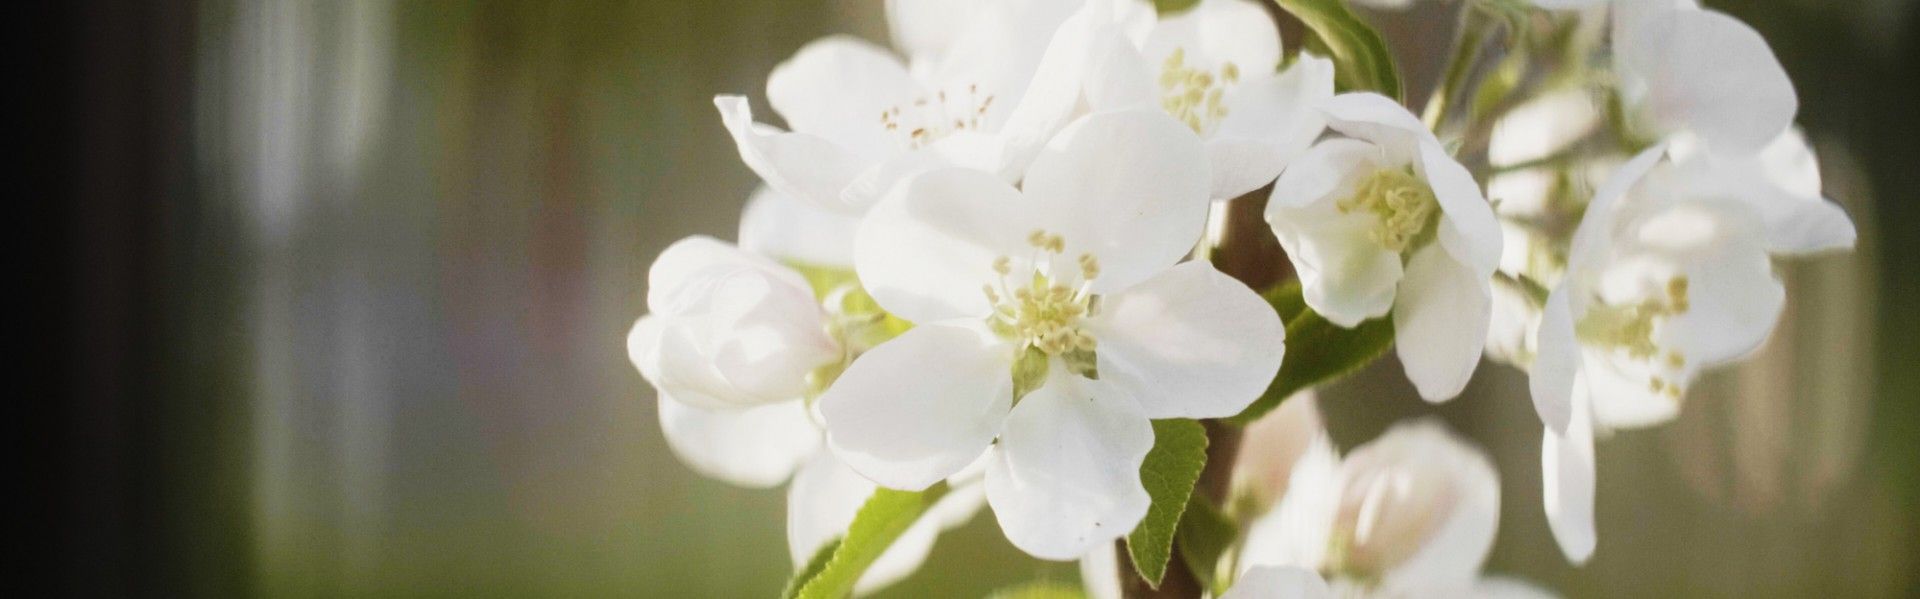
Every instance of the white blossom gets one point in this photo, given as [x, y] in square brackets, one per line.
[861, 120]
[1279, 582]
[1669, 273]
[1068, 290]
[1412, 513]
[1383, 219]
[1216, 69]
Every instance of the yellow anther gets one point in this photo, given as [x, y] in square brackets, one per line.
[1002, 265]
[1405, 205]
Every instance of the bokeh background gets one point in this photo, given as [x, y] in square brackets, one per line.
[336, 293]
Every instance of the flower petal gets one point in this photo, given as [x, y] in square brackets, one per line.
[643, 347]
[1470, 231]
[920, 407]
[1344, 275]
[756, 447]
[1556, 363]
[1440, 322]
[777, 225]
[1089, 64]
[1271, 119]
[1380, 120]
[1452, 550]
[804, 166]
[1217, 32]
[1190, 342]
[925, 251]
[1707, 72]
[1567, 476]
[1280, 582]
[926, 27]
[1326, 172]
[1065, 477]
[836, 87]
[1130, 187]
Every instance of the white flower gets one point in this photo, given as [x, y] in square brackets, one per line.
[734, 330]
[1271, 447]
[1069, 278]
[1669, 273]
[1411, 513]
[1385, 219]
[861, 120]
[1682, 68]
[1279, 582]
[1215, 69]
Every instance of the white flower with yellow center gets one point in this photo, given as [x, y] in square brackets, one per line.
[861, 119]
[1384, 220]
[1668, 274]
[1215, 68]
[1054, 321]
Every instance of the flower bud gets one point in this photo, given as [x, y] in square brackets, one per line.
[731, 329]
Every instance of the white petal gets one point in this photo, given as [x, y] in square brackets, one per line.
[1567, 475]
[1380, 120]
[643, 347]
[836, 87]
[678, 281]
[1299, 532]
[1621, 397]
[1556, 365]
[1709, 73]
[1344, 275]
[927, 26]
[1089, 64]
[1065, 477]
[1434, 467]
[1271, 119]
[920, 407]
[1217, 32]
[1326, 172]
[777, 225]
[1272, 446]
[1130, 187]
[925, 251]
[1469, 230]
[1542, 126]
[1279, 582]
[1191, 342]
[755, 447]
[997, 51]
[1440, 322]
[804, 166]
[1735, 302]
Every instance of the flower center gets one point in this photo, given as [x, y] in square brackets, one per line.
[928, 119]
[1193, 95]
[1407, 211]
[1630, 328]
[1043, 311]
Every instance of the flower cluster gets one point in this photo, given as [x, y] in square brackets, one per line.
[979, 271]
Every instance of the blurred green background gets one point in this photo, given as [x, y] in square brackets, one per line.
[394, 249]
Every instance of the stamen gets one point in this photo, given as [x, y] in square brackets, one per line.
[927, 120]
[1630, 329]
[1405, 205]
[1195, 96]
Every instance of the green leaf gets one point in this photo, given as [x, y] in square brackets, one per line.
[880, 520]
[1360, 56]
[1039, 590]
[1169, 473]
[814, 565]
[1317, 351]
[1205, 534]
